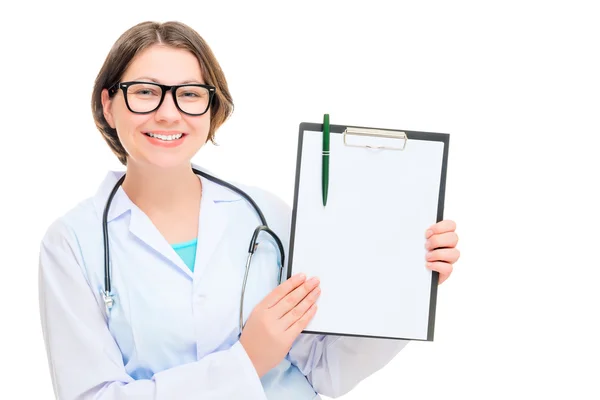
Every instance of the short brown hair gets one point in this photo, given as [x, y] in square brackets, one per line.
[139, 38]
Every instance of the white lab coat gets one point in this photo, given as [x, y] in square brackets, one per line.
[173, 334]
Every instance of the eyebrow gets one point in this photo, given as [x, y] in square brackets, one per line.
[156, 81]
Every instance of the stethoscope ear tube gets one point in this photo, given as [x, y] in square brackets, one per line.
[251, 250]
[253, 243]
[253, 246]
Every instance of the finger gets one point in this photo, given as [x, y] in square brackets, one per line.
[282, 290]
[441, 227]
[303, 322]
[445, 255]
[292, 299]
[297, 312]
[444, 268]
[442, 279]
[448, 239]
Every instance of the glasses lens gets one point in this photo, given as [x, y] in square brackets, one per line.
[144, 97]
[193, 99]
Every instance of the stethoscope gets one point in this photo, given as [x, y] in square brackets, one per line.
[108, 297]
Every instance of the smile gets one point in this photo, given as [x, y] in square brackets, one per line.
[166, 138]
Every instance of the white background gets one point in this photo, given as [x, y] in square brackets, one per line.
[515, 83]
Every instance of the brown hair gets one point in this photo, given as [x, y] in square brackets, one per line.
[139, 38]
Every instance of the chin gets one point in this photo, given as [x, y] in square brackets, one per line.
[166, 161]
[152, 156]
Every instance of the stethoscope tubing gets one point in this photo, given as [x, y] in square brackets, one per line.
[252, 247]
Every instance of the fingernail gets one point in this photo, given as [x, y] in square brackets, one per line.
[314, 279]
[429, 233]
[301, 276]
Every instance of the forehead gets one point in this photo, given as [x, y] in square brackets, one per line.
[167, 65]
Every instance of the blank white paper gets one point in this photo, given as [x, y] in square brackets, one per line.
[367, 246]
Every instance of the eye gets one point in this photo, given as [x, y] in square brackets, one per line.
[143, 90]
[146, 92]
[190, 94]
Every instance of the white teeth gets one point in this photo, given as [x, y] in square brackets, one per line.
[165, 137]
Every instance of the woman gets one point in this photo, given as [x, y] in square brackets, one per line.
[178, 245]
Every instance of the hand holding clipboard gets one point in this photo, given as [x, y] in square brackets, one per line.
[358, 222]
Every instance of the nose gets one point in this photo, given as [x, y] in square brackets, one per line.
[168, 111]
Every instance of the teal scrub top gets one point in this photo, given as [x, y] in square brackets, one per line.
[187, 252]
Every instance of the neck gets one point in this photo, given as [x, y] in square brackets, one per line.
[157, 190]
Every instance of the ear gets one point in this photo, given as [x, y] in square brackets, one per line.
[107, 108]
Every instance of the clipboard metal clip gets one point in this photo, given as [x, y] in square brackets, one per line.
[375, 133]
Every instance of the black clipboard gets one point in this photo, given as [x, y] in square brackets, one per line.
[394, 145]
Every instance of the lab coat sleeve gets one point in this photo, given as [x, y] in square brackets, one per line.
[85, 361]
[334, 364]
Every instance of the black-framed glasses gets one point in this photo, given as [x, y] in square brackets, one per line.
[145, 97]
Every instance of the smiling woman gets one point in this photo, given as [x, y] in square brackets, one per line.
[143, 102]
[161, 316]
[152, 54]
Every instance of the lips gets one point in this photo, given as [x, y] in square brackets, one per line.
[165, 139]
[165, 136]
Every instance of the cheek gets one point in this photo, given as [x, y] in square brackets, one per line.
[129, 125]
[201, 126]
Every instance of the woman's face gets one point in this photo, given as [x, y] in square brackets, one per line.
[168, 66]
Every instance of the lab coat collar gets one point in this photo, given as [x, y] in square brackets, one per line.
[212, 222]
[121, 202]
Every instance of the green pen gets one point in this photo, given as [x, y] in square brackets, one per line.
[325, 173]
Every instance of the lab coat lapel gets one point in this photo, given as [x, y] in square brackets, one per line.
[215, 215]
[142, 227]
